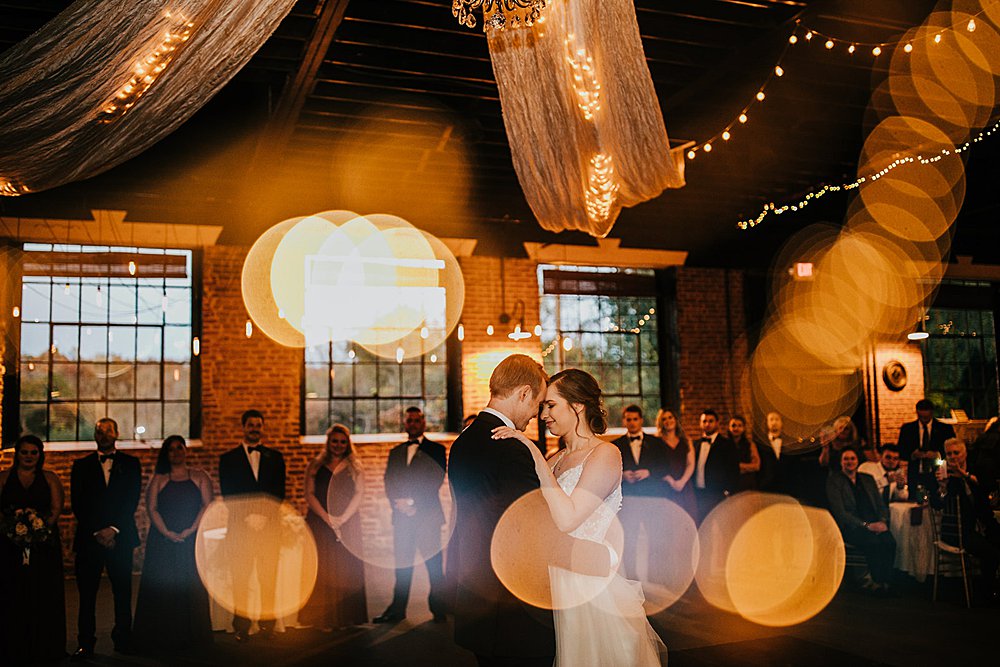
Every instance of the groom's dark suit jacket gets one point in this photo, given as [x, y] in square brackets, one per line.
[98, 505]
[487, 476]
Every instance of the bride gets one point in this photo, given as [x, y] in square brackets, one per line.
[583, 491]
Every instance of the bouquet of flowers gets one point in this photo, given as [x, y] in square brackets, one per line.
[25, 527]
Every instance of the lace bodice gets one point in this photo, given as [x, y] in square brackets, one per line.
[596, 525]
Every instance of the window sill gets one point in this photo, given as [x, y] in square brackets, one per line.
[90, 445]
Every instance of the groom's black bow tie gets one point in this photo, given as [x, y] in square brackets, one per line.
[633, 438]
[412, 442]
[105, 457]
[255, 448]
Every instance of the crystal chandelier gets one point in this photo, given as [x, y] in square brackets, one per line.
[499, 14]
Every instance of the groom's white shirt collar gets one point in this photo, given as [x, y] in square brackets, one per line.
[506, 420]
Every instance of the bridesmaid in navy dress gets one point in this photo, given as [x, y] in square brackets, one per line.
[32, 606]
[172, 609]
[334, 487]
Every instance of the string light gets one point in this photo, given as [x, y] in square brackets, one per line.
[461, 332]
[772, 208]
[195, 346]
[131, 268]
[248, 329]
[17, 311]
[489, 329]
[399, 355]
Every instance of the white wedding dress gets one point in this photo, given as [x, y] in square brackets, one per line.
[608, 629]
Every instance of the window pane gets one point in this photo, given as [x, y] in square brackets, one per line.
[35, 301]
[390, 417]
[411, 382]
[176, 419]
[147, 381]
[93, 343]
[124, 414]
[121, 344]
[178, 305]
[62, 421]
[317, 416]
[121, 381]
[436, 412]
[365, 417]
[176, 343]
[65, 340]
[66, 301]
[569, 311]
[34, 381]
[151, 305]
[388, 380]
[34, 419]
[176, 382]
[121, 302]
[149, 344]
[149, 421]
[364, 379]
[341, 413]
[318, 382]
[88, 415]
[34, 341]
[94, 301]
[343, 379]
[317, 354]
[63, 382]
[93, 381]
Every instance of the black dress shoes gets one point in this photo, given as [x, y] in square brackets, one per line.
[81, 654]
[242, 636]
[389, 616]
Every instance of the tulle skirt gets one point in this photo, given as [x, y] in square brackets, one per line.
[600, 622]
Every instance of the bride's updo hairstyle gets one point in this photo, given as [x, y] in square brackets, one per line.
[580, 387]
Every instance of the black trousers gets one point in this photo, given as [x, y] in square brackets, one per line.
[879, 550]
[410, 535]
[260, 549]
[91, 560]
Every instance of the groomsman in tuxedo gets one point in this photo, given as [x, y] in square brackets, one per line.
[644, 466]
[104, 492]
[413, 477]
[247, 472]
[769, 447]
[717, 465]
[921, 442]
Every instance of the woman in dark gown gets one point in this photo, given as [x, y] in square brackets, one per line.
[32, 603]
[680, 461]
[172, 608]
[749, 457]
[334, 487]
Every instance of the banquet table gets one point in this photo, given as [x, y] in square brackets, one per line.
[914, 544]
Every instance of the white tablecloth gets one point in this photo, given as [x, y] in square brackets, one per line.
[914, 544]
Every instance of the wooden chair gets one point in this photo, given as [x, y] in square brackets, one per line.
[950, 555]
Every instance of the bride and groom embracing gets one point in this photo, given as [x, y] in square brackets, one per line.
[491, 465]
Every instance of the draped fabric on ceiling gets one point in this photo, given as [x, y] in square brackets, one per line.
[582, 118]
[106, 79]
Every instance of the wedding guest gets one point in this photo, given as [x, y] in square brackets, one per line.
[717, 466]
[172, 610]
[104, 492]
[863, 519]
[414, 474]
[889, 477]
[680, 461]
[984, 455]
[921, 443]
[251, 471]
[32, 607]
[334, 489]
[844, 436]
[769, 450]
[747, 450]
[644, 467]
[980, 529]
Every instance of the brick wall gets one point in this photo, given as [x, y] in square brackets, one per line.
[713, 346]
[897, 407]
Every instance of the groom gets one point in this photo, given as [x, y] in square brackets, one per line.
[487, 476]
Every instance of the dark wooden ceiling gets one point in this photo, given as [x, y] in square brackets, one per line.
[391, 106]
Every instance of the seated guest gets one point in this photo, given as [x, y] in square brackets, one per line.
[980, 530]
[888, 476]
[921, 443]
[32, 604]
[845, 436]
[863, 519]
[680, 461]
[984, 455]
[749, 458]
[171, 612]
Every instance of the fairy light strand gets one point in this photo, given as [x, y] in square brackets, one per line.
[773, 209]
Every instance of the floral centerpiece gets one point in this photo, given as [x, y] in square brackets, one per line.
[25, 527]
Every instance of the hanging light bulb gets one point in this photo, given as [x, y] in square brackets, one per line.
[17, 311]
[177, 375]
[778, 71]
[908, 48]
[971, 27]
[726, 135]
[399, 355]
[434, 358]
[809, 36]
[760, 95]
[131, 268]
[707, 148]
[567, 343]
[99, 299]
[538, 330]
[877, 51]
[165, 304]
[829, 44]
[691, 155]
[743, 118]
[851, 49]
[489, 329]
[937, 38]
[195, 346]
[66, 289]
[461, 331]
[425, 333]
[248, 329]
[351, 353]
[792, 39]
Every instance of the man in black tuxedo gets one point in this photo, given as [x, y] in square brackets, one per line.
[487, 476]
[921, 442]
[246, 472]
[769, 447]
[644, 467]
[717, 465]
[104, 492]
[413, 476]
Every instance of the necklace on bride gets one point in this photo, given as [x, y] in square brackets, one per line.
[560, 466]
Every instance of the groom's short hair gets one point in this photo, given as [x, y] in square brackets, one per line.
[516, 371]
